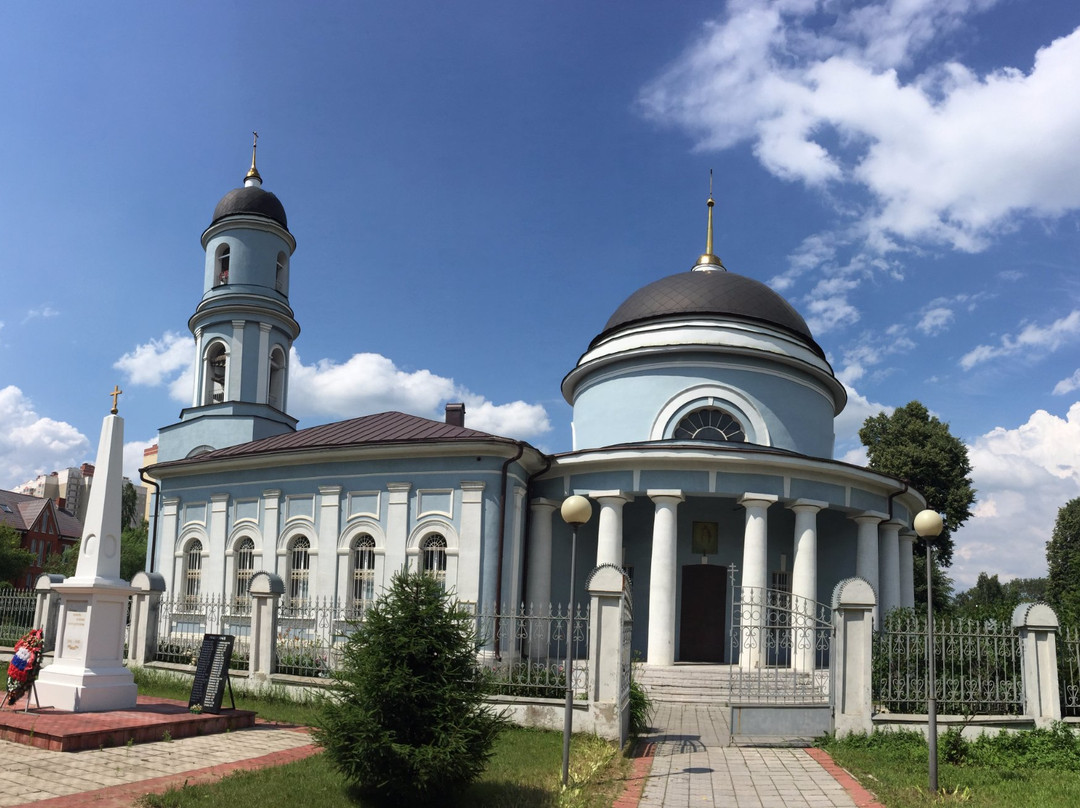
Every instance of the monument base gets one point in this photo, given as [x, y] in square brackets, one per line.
[83, 691]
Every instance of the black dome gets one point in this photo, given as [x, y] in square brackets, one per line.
[710, 292]
[251, 200]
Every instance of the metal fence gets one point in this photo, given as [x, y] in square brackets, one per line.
[780, 646]
[183, 620]
[16, 614]
[1068, 654]
[311, 634]
[978, 666]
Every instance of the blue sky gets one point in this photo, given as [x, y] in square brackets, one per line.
[476, 186]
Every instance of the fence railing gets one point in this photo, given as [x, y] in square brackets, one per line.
[16, 614]
[1068, 652]
[183, 620]
[978, 666]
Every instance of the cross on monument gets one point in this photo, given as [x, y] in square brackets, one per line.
[116, 391]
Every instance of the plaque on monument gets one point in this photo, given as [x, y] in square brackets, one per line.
[212, 674]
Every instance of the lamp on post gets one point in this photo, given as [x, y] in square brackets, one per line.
[575, 511]
[928, 525]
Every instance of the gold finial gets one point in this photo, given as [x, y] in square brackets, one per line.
[115, 394]
[708, 260]
[253, 173]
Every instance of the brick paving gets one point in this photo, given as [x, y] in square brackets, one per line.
[694, 765]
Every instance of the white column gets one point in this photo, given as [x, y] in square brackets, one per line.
[663, 577]
[262, 389]
[538, 585]
[804, 583]
[170, 526]
[236, 363]
[325, 563]
[197, 370]
[907, 569]
[889, 565]
[609, 548]
[755, 578]
[397, 530]
[266, 554]
[471, 540]
[866, 552]
[214, 566]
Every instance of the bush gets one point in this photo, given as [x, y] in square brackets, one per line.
[407, 720]
[641, 708]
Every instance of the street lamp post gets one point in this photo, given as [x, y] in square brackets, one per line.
[928, 526]
[575, 511]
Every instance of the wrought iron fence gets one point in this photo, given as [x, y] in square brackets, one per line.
[183, 620]
[1068, 653]
[977, 662]
[312, 632]
[780, 646]
[16, 614]
[531, 644]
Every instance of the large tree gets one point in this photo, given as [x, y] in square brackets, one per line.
[13, 558]
[129, 501]
[915, 446]
[1063, 561]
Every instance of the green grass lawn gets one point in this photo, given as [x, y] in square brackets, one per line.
[1040, 770]
[524, 772]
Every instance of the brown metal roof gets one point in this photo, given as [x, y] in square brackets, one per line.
[26, 510]
[383, 428]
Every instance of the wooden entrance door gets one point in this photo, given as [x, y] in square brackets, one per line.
[701, 629]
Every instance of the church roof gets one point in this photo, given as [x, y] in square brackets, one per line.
[251, 200]
[709, 292]
[381, 429]
[21, 511]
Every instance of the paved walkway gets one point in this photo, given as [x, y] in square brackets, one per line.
[104, 778]
[693, 765]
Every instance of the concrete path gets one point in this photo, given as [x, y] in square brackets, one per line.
[103, 778]
[694, 765]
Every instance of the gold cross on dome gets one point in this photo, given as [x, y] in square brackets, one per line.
[116, 392]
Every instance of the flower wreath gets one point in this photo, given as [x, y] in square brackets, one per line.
[25, 664]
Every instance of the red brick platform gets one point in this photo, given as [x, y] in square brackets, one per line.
[151, 719]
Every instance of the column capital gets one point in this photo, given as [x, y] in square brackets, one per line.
[758, 499]
[610, 497]
[659, 495]
[807, 505]
[540, 503]
[869, 517]
[892, 525]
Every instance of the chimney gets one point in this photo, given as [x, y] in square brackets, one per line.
[455, 414]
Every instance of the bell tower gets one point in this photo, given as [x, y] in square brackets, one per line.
[243, 327]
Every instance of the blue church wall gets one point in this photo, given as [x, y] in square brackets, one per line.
[836, 552]
[739, 484]
[802, 488]
[678, 480]
[252, 258]
[868, 501]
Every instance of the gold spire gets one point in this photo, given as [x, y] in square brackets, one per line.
[708, 261]
[252, 177]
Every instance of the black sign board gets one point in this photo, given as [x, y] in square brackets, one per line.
[212, 673]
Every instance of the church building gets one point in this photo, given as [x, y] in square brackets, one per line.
[702, 431]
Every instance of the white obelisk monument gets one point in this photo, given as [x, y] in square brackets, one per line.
[88, 672]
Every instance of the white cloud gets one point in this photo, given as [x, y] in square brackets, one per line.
[1068, 385]
[935, 320]
[1022, 476]
[44, 312]
[848, 423]
[1031, 339]
[32, 444]
[151, 362]
[943, 156]
[133, 458]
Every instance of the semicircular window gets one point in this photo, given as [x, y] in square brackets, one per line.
[709, 423]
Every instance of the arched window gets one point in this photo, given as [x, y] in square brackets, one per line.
[709, 423]
[433, 557]
[192, 570]
[214, 372]
[363, 569]
[245, 567]
[299, 571]
[221, 265]
[280, 277]
[275, 395]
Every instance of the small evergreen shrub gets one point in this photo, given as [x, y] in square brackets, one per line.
[407, 721]
[641, 708]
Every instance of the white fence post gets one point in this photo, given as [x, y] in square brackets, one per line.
[266, 590]
[145, 613]
[47, 608]
[1038, 627]
[605, 587]
[853, 604]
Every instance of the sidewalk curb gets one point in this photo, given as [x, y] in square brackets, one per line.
[644, 751]
[862, 797]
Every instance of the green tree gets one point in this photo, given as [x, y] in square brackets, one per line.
[1063, 562]
[408, 722]
[63, 563]
[989, 599]
[129, 501]
[13, 558]
[133, 550]
[917, 447]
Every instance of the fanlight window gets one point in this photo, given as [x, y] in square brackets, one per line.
[299, 571]
[245, 567]
[710, 423]
[276, 391]
[193, 570]
[363, 569]
[433, 557]
[214, 381]
[222, 257]
[279, 274]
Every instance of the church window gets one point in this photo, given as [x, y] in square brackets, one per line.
[299, 571]
[214, 374]
[433, 557]
[363, 569]
[245, 567]
[280, 276]
[193, 570]
[709, 423]
[275, 396]
[221, 265]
